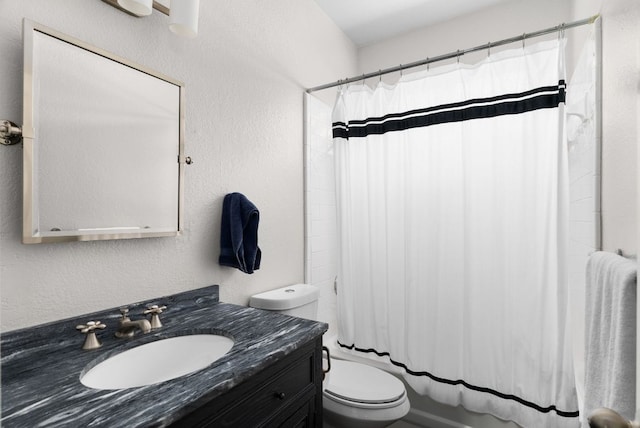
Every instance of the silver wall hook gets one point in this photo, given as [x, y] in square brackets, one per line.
[10, 133]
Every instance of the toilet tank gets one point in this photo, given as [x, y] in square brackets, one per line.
[298, 300]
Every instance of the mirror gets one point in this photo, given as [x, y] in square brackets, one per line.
[103, 144]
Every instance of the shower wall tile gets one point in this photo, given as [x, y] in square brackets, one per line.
[584, 234]
[324, 227]
[323, 274]
[322, 259]
[322, 243]
[582, 187]
[323, 196]
[321, 229]
[582, 210]
[323, 212]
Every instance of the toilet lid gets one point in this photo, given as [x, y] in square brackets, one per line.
[360, 383]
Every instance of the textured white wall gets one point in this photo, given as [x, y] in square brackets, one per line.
[491, 24]
[244, 77]
[621, 71]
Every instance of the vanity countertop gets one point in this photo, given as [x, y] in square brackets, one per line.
[41, 365]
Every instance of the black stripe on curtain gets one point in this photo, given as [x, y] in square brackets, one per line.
[535, 99]
[539, 408]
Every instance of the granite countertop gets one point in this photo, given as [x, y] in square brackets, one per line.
[41, 365]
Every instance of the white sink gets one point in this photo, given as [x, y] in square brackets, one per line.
[157, 361]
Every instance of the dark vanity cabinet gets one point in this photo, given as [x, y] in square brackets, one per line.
[271, 377]
[287, 393]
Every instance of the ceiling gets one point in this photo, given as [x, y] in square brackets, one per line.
[369, 21]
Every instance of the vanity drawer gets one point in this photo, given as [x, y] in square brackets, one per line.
[286, 394]
[290, 385]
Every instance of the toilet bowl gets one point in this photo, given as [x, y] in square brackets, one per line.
[359, 396]
[355, 395]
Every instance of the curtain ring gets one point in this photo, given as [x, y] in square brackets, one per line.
[488, 49]
[458, 55]
[561, 31]
[401, 70]
[380, 76]
[524, 36]
[428, 64]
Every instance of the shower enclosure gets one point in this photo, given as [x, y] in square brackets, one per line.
[581, 147]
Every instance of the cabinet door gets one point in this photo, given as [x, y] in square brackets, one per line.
[286, 394]
[271, 400]
[301, 418]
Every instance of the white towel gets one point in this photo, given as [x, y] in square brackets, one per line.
[610, 342]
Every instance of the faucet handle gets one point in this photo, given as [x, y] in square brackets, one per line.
[90, 326]
[91, 341]
[155, 311]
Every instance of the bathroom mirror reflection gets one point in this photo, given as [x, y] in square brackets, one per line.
[103, 144]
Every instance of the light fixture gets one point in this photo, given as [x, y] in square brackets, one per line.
[137, 7]
[183, 18]
[183, 14]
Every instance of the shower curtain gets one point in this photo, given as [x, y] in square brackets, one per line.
[452, 196]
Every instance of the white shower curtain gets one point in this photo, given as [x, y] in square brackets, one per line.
[452, 216]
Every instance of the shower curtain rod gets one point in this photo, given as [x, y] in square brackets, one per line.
[457, 53]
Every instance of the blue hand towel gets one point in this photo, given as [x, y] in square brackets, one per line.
[239, 234]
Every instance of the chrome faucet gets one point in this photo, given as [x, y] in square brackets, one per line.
[127, 328]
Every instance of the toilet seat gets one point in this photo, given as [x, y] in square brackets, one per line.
[358, 385]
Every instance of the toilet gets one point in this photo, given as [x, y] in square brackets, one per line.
[355, 395]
